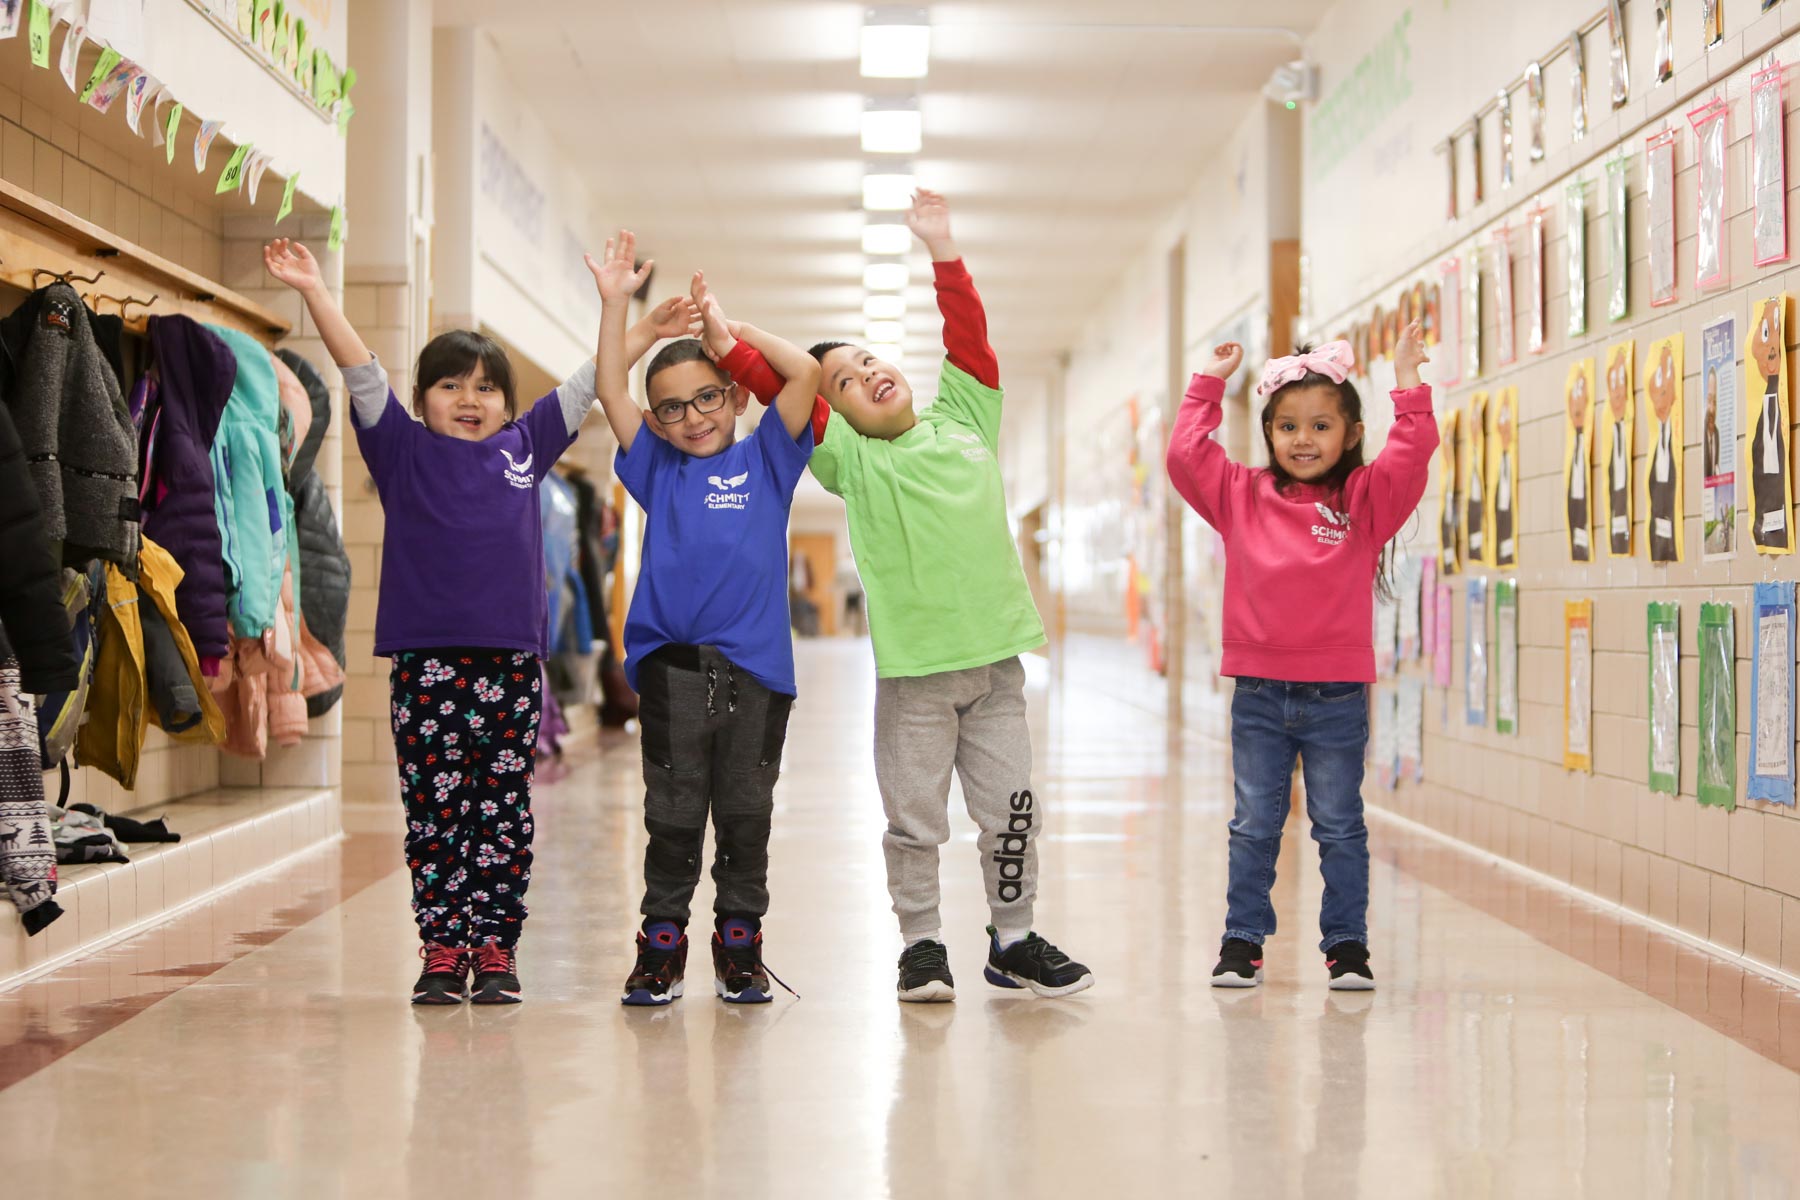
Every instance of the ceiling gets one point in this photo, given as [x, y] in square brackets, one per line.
[725, 133]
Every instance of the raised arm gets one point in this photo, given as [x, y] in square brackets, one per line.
[798, 370]
[965, 319]
[293, 264]
[1393, 484]
[618, 280]
[1198, 466]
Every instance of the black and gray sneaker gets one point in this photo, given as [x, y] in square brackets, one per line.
[445, 979]
[1240, 965]
[1349, 966]
[739, 974]
[925, 973]
[1034, 963]
[656, 979]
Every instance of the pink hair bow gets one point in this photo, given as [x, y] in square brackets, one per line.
[1334, 360]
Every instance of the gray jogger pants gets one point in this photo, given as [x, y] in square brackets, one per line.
[972, 720]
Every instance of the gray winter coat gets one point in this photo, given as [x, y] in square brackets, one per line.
[324, 567]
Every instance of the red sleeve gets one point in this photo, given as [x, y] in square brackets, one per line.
[965, 323]
[1198, 466]
[1394, 483]
[749, 369]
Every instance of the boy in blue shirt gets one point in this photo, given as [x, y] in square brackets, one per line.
[707, 639]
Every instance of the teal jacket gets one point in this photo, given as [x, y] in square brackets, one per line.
[249, 495]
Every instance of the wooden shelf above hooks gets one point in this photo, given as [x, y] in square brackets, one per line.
[37, 236]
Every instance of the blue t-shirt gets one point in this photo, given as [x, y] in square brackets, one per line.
[715, 558]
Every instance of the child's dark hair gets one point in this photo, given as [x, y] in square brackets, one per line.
[682, 350]
[1350, 406]
[455, 354]
[820, 350]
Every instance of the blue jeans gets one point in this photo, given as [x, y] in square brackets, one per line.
[1327, 726]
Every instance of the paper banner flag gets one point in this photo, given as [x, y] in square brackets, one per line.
[232, 177]
[9, 18]
[142, 89]
[112, 74]
[335, 242]
[168, 130]
[39, 33]
[259, 162]
[203, 143]
[287, 198]
[346, 110]
[71, 50]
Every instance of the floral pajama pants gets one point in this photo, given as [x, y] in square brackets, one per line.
[465, 737]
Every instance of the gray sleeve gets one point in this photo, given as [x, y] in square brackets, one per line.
[368, 387]
[577, 397]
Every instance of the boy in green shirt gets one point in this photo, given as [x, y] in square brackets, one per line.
[949, 612]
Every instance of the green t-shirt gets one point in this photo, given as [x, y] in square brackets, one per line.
[941, 574]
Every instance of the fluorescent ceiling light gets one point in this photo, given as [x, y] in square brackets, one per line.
[888, 352]
[884, 331]
[888, 128]
[888, 191]
[896, 43]
[884, 307]
[892, 238]
[886, 276]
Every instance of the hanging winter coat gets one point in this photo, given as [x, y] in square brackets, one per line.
[33, 624]
[27, 854]
[261, 692]
[324, 566]
[189, 383]
[248, 489]
[73, 424]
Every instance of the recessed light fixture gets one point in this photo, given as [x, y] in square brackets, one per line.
[889, 352]
[886, 276]
[884, 331]
[896, 43]
[892, 126]
[889, 237]
[884, 307]
[886, 190]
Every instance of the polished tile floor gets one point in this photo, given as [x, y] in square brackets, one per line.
[1519, 1045]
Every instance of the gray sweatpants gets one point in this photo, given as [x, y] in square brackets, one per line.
[973, 720]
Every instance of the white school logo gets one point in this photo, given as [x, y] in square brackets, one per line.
[974, 451]
[1336, 527]
[727, 496]
[518, 473]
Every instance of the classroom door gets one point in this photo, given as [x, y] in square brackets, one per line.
[820, 552]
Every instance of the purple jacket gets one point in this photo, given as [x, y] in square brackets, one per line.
[191, 380]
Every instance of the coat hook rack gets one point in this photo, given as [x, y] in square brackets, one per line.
[65, 276]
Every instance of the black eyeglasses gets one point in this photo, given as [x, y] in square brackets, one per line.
[673, 412]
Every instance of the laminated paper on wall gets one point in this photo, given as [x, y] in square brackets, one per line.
[1503, 479]
[1475, 488]
[1618, 261]
[1385, 746]
[1709, 121]
[1578, 685]
[1772, 694]
[1615, 35]
[1409, 577]
[1387, 636]
[1506, 332]
[1506, 655]
[1578, 458]
[1503, 104]
[1411, 718]
[1712, 22]
[1427, 599]
[1665, 41]
[1663, 378]
[1450, 319]
[1471, 315]
[1449, 511]
[1768, 166]
[1534, 294]
[1475, 677]
[1617, 449]
[1659, 192]
[1444, 662]
[1718, 706]
[1575, 212]
[1664, 632]
[1577, 89]
[1534, 108]
[1766, 451]
[1719, 504]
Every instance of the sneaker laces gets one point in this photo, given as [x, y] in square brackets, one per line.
[747, 955]
[493, 958]
[1035, 947]
[443, 960]
[926, 954]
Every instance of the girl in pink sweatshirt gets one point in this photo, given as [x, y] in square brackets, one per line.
[1305, 545]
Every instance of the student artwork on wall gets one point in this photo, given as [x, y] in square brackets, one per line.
[1475, 675]
[1409, 578]
[1506, 655]
[1766, 449]
[1387, 636]
[1534, 109]
[1506, 333]
[1772, 694]
[1575, 214]
[1618, 263]
[1709, 122]
[1503, 479]
[1665, 41]
[1411, 714]
[1577, 89]
[1712, 22]
[1578, 685]
[1534, 296]
[1475, 493]
[1664, 630]
[1471, 315]
[1620, 83]
[1718, 439]
[1662, 475]
[1659, 190]
[1768, 166]
[1578, 458]
[1449, 512]
[1718, 706]
[1450, 319]
[1617, 447]
[1443, 664]
[1385, 745]
[1428, 581]
[1503, 111]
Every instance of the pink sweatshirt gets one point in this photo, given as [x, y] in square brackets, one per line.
[1299, 573]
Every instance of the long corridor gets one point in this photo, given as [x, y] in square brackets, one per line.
[263, 1045]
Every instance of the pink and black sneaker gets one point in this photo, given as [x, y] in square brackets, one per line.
[496, 975]
[445, 979]
[1348, 963]
[1240, 965]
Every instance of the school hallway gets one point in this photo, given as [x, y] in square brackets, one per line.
[1520, 1044]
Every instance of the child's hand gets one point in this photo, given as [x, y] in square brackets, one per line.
[929, 219]
[673, 318]
[1226, 359]
[717, 334]
[617, 275]
[293, 264]
[1409, 354]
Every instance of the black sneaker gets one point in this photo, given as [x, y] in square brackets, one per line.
[925, 974]
[738, 974]
[496, 975]
[661, 963]
[1036, 964]
[1349, 966]
[446, 976]
[1240, 965]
